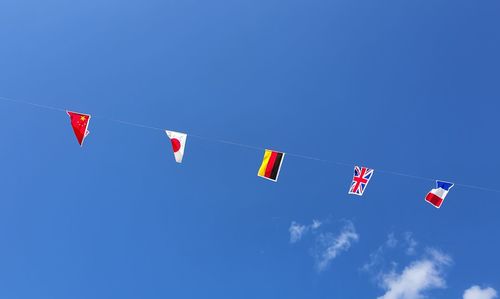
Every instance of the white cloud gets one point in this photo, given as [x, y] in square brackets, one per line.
[331, 246]
[417, 278]
[410, 243]
[316, 224]
[377, 257]
[377, 260]
[391, 241]
[476, 292]
[297, 230]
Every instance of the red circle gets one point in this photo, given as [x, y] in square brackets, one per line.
[176, 144]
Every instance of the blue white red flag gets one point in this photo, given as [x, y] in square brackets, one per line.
[436, 196]
[362, 176]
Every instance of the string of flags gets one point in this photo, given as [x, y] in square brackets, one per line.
[271, 163]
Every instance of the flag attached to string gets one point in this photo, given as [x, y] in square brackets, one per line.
[271, 165]
[178, 141]
[80, 124]
[436, 196]
[360, 180]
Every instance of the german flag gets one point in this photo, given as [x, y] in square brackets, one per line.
[271, 164]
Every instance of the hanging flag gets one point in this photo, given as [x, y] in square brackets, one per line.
[178, 141]
[436, 196]
[271, 164]
[362, 176]
[80, 123]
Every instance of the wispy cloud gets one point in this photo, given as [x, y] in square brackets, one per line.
[411, 244]
[391, 241]
[476, 292]
[377, 258]
[297, 230]
[330, 246]
[417, 278]
[316, 224]
[327, 246]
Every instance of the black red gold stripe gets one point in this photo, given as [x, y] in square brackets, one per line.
[271, 164]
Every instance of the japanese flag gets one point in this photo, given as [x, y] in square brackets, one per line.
[178, 141]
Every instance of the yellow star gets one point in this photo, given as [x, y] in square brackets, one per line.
[83, 118]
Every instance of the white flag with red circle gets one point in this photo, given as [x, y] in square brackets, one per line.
[178, 141]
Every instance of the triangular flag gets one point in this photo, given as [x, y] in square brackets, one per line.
[178, 141]
[80, 123]
[271, 165]
[436, 196]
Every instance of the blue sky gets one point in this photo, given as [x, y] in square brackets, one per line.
[405, 86]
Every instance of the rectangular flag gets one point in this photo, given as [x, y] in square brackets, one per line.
[362, 176]
[271, 164]
[436, 196]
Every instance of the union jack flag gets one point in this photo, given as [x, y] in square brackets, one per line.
[362, 176]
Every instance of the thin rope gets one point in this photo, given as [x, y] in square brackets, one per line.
[32, 104]
[123, 122]
[242, 145]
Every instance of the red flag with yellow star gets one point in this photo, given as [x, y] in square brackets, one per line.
[80, 123]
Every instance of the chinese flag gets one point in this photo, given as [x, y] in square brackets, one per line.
[80, 123]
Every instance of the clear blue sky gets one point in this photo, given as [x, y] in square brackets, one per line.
[407, 86]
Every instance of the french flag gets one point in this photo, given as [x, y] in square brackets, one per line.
[436, 196]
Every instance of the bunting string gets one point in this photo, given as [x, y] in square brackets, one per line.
[242, 145]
